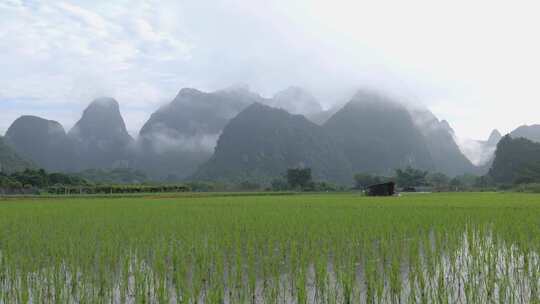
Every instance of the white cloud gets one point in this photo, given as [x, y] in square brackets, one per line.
[94, 22]
[479, 153]
[60, 52]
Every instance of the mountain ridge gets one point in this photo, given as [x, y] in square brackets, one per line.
[378, 135]
[373, 132]
[43, 141]
[10, 161]
[531, 132]
[101, 136]
[262, 142]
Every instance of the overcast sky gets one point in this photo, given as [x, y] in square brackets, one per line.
[474, 63]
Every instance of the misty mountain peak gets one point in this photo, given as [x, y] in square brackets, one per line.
[101, 120]
[427, 122]
[296, 100]
[260, 107]
[257, 106]
[104, 102]
[494, 138]
[100, 135]
[238, 88]
[531, 132]
[195, 112]
[187, 93]
[441, 142]
[446, 126]
[258, 110]
[30, 123]
[239, 91]
[186, 130]
[371, 96]
[379, 135]
[262, 142]
[40, 140]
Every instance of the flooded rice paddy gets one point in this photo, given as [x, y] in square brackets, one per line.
[337, 248]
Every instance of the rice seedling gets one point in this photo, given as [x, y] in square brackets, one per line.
[338, 248]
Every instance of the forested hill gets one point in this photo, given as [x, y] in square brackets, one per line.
[10, 161]
[378, 135]
[100, 136]
[182, 135]
[262, 142]
[43, 141]
[531, 132]
[517, 160]
[444, 151]
[371, 133]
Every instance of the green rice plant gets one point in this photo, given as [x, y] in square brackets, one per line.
[337, 248]
[321, 275]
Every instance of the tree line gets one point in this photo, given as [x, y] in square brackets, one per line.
[39, 181]
[411, 178]
[119, 181]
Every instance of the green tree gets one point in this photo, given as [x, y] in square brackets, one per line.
[517, 160]
[410, 177]
[299, 178]
[364, 180]
[249, 186]
[279, 184]
[483, 182]
[438, 180]
[456, 184]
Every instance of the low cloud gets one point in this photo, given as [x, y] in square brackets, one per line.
[478, 152]
[165, 143]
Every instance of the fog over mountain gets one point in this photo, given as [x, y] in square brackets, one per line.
[378, 135]
[59, 55]
[262, 142]
[10, 160]
[202, 134]
[441, 142]
[437, 95]
[98, 140]
[100, 136]
[194, 119]
[480, 152]
[43, 141]
[296, 100]
[181, 135]
[517, 160]
[531, 132]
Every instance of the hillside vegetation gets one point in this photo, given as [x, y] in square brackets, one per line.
[10, 161]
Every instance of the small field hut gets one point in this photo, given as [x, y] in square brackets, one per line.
[385, 189]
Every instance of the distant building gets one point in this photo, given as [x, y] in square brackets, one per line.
[385, 189]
